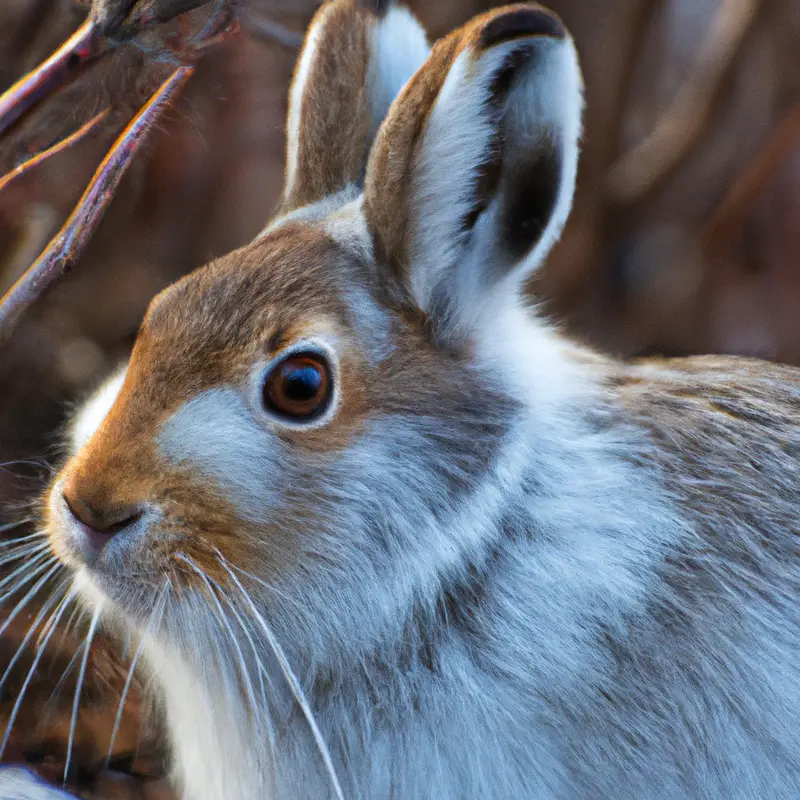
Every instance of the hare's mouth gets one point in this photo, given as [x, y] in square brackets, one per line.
[82, 534]
[115, 557]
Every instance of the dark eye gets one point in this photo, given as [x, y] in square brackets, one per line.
[299, 387]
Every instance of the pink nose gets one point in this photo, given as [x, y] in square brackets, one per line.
[100, 524]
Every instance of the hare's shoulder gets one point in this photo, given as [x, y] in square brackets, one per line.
[725, 434]
[727, 398]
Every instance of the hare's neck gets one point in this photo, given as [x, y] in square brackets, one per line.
[211, 736]
[560, 542]
[482, 667]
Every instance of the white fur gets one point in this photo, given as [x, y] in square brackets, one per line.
[565, 580]
[456, 141]
[215, 433]
[18, 783]
[314, 212]
[94, 411]
[302, 72]
[551, 105]
[213, 752]
[399, 47]
[544, 106]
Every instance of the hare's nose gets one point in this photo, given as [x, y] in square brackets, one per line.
[100, 523]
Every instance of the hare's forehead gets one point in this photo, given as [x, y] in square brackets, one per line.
[294, 282]
[222, 326]
[190, 394]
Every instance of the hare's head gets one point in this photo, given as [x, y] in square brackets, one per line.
[324, 419]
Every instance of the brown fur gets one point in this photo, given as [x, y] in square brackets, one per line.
[331, 111]
[727, 424]
[386, 191]
[206, 331]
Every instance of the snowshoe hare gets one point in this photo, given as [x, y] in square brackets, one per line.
[383, 532]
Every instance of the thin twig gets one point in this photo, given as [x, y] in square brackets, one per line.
[73, 138]
[267, 29]
[69, 242]
[738, 200]
[682, 124]
[78, 51]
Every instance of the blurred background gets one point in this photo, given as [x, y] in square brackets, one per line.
[685, 236]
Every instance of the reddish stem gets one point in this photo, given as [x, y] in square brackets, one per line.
[69, 242]
[74, 137]
[82, 47]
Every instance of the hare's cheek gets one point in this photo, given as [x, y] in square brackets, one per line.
[214, 436]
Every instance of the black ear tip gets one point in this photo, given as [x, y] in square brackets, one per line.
[522, 22]
[378, 7]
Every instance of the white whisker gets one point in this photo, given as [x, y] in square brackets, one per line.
[46, 627]
[157, 609]
[43, 611]
[260, 581]
[294, 684]
[126, 645]
[31, 592]
[25, 462]
[79, 686]
[23, 543]
[28, 565]
[262, 672]
[57, 688]
[18, 539]
[73, 620]
[22, 552]
[52, 622]
[16, 524]
[224, 621]
[121, 705]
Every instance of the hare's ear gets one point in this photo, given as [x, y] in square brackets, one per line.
[356, 58]
[471, 176]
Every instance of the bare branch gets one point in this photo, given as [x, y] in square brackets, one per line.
[70, 241]
[79, 50]
[682, 124]
[73, 138]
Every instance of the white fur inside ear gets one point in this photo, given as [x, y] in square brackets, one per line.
[542, 110]
[551, 105]
[94, 411]
[457, 139]
[399, 48]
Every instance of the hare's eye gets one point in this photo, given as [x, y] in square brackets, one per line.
[299, 387]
